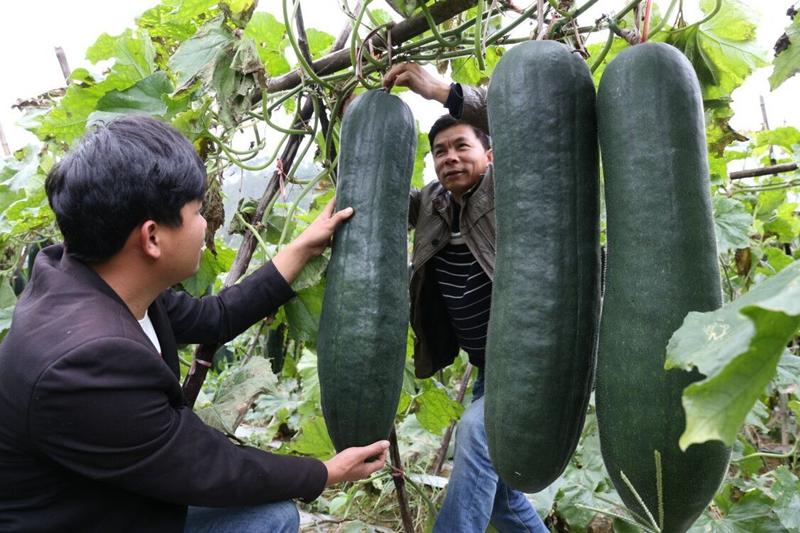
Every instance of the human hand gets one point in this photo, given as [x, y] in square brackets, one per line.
[418, 80]
[351, 464]
[291, 259]
[317, 236]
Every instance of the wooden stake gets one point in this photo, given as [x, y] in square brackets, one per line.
[62, 61]
[399, 482]
[441, 455]
[753, 172]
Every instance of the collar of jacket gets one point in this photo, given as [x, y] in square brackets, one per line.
[55, 257]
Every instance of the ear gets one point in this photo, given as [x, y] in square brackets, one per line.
[489, 155]
[149, 239]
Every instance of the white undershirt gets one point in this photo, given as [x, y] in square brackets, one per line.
[150, 331]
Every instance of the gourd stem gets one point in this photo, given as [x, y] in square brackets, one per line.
[604, 52]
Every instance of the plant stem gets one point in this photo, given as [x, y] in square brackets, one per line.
[399, 481]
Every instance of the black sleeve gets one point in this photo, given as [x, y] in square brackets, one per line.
[455, 100]
[219, 318]
[103, 411]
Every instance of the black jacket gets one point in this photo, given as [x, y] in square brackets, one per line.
[95, 434]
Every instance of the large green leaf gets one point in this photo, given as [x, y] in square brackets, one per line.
[134, 61]
[211, 266]
[785, 224]
[722, 50]
[127, 49]
[173, 21]
[787, 137]
[313, 439]
[737, 348]
[732, 223]
[302, 314]
[436, 410]
[269, 35]
[787, 63]
[318, 42]
[149, 95]
[751, 513]
[786, 491]
[17, 172]
[465, 70]
[311, 274]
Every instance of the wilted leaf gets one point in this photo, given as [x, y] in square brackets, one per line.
[787, 63]
[236, 393]
[197, 57]
[737, 348]
[311, 274]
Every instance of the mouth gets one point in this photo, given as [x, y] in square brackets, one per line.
[453, 173]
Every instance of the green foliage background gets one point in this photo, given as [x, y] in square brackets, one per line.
[205, 66]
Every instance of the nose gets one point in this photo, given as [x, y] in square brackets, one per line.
[451, 156]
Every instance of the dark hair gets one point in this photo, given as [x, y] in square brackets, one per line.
[122, 173]
[446, 122]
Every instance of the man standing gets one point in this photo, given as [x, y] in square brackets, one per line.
[95, 434]
[451, 287]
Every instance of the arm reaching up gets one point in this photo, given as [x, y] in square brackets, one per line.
[418, 80]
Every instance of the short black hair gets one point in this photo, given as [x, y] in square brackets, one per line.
[446, 122]
[120, 174]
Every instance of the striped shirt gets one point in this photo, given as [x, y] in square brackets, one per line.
[467, 293]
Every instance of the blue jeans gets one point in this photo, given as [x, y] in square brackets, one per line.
[475, 494]
[278, 517]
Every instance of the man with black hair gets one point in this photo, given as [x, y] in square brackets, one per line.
[95, 434]
[451, 288]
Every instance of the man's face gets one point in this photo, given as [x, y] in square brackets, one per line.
[185, 243]
[459, 158]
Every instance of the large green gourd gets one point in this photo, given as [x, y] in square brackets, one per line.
[545, 298]
[364, 321]
[662, 263]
